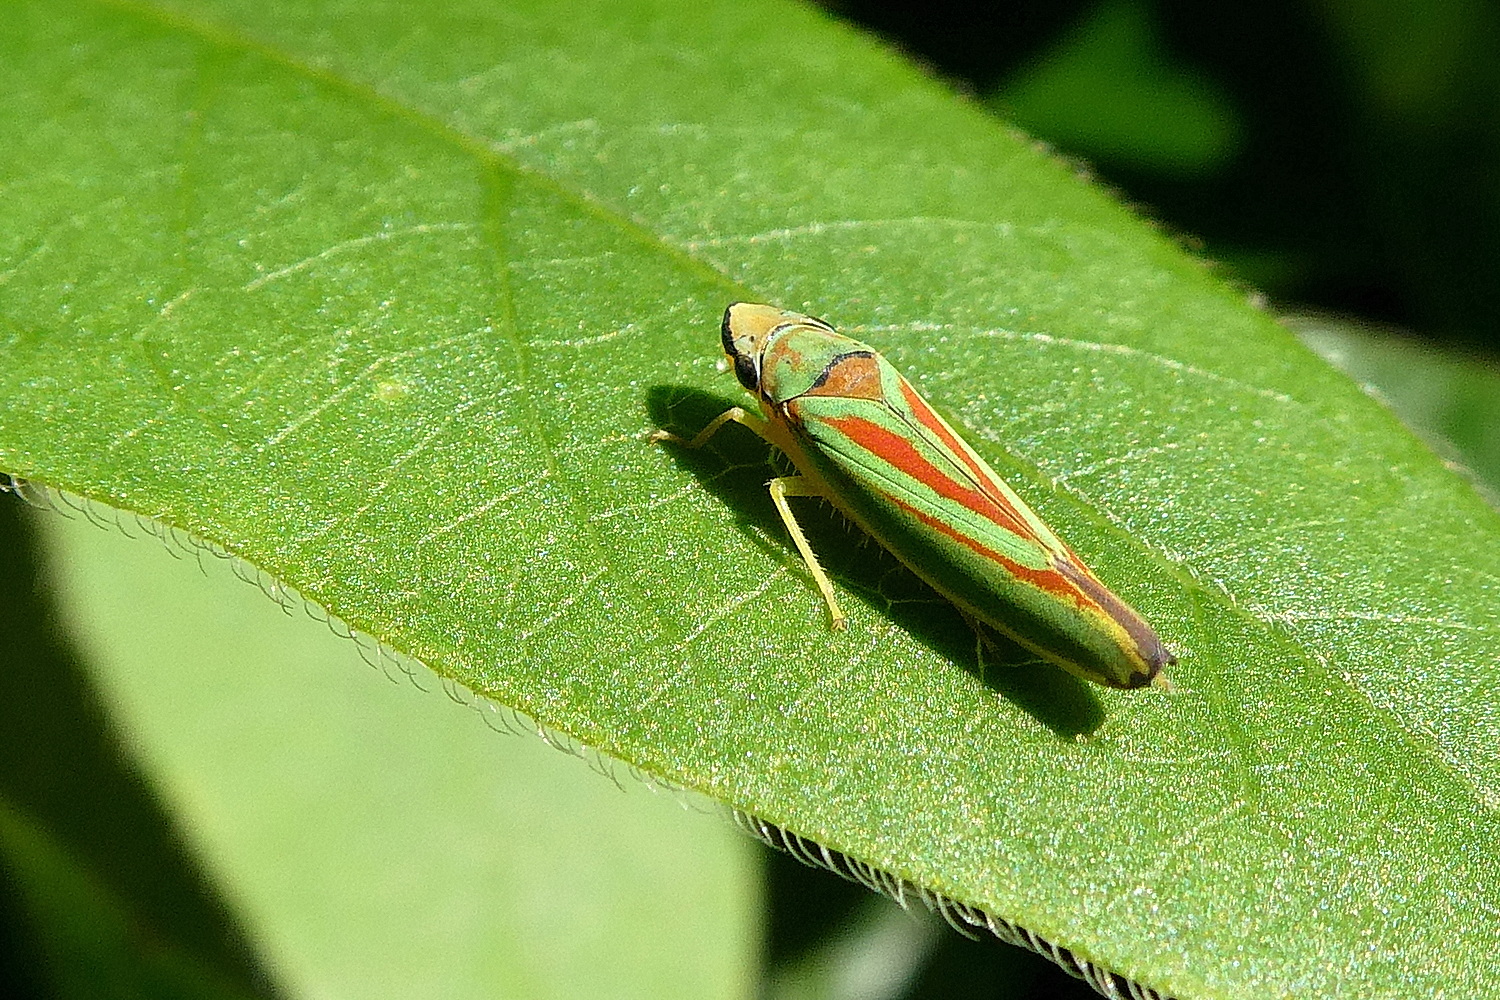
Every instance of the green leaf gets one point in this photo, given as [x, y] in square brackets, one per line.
[385, 304]
[93, 947]
[97, 885]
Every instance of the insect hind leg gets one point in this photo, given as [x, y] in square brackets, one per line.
[798, 486]
[781, 487]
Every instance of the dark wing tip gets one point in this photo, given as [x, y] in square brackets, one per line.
[1160, 659]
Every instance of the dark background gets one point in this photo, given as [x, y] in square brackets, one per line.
[1340, 156]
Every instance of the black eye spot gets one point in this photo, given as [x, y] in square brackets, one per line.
[745, 371]
[725, 335]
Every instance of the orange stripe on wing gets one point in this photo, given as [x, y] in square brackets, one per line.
[929, 419]
[1049, 580]
[1070, 576]
[1071, 580]
[901, 453]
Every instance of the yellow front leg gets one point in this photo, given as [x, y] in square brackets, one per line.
[797, 486]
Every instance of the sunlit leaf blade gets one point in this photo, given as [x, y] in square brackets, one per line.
[386, 301]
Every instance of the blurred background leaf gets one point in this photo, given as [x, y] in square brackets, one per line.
[1450, 397]
[359, 837]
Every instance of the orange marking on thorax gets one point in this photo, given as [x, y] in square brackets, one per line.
[853, 376]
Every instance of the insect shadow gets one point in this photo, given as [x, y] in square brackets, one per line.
[735, 465]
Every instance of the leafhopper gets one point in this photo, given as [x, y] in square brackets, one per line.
[863, 439]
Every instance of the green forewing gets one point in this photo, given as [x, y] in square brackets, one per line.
[881, 454]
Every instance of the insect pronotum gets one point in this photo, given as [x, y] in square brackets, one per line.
[862, 438]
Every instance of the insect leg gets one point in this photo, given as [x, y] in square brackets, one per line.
[797, 486]
[781, 488]
[735, 414]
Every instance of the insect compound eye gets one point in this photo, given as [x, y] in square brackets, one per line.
[746, 371]
[735, 348]
[726, 334]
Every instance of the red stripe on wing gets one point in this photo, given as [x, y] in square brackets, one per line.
[929, 419]
[900, 452]
[1049, 580]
